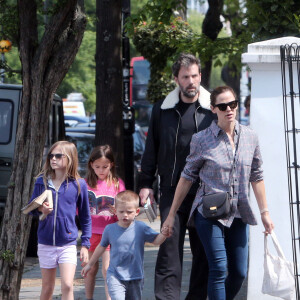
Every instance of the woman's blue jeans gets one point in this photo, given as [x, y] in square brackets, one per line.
[227, 254]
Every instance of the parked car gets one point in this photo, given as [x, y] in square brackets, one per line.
[84, 143]
[140, 76]
[72, 120]
[10, 102]
[83, 135]
[142, 111]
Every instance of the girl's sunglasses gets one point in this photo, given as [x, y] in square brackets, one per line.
[57, 156]
[223, 106]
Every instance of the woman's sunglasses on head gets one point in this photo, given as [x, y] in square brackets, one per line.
[223, 106]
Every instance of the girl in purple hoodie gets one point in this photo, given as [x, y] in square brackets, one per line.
[57, 233]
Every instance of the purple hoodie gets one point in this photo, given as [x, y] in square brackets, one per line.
[59, 227]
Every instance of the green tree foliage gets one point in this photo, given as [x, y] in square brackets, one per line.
[157, 42]
[160, 37]
[47, 47]
[250, 21]
[9, 30]
[273, 18]
[195, 20]
[81, 76]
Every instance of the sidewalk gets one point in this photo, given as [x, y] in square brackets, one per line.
[31, 280]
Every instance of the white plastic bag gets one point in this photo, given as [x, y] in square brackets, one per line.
[279, 278]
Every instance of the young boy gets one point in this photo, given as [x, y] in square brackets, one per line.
[125, 274]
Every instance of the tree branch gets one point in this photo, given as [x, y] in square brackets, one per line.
[66, 49]
[58, 24]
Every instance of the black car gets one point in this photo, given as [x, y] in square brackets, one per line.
[142, 112]
[84, 143]
[83, 136]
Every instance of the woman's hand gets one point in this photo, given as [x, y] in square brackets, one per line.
[267, 222]
[168, 225]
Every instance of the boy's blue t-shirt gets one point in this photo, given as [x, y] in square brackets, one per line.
[127, 249]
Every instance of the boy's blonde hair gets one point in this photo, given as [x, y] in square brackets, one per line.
[127, 196]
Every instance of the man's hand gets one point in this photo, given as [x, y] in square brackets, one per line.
[144, 193]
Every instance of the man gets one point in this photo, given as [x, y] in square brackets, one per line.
[174, 120]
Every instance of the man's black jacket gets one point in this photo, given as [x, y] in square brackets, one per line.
[163, 137]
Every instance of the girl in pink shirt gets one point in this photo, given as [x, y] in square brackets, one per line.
[103, 186]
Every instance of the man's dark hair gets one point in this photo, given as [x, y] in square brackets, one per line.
[185, 60]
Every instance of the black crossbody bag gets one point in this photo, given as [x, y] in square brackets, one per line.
[217, 206]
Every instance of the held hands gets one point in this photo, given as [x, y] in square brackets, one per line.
[84, 256]
[144, 193]
[267, 222]
[168, 225]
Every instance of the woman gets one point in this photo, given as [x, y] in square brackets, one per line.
[212, 153]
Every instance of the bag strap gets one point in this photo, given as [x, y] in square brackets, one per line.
[235, 157]
[276, 245]
[233, 164]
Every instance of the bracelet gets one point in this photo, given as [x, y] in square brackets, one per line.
[263, 210]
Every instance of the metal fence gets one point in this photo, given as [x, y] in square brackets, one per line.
[290, 70]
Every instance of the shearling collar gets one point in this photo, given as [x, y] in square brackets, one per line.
[173, 98]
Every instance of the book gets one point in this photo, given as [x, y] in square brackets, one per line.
[100, 204]
[150, 210]
[37, 202]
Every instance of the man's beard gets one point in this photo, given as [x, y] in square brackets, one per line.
[189, 94]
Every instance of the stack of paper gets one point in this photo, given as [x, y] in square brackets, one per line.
[150, 210]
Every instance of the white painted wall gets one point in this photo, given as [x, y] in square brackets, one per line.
[266, 118]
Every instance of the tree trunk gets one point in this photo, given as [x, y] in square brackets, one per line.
[211, 27]
[44, 66]
[109, 126]
[182, 9]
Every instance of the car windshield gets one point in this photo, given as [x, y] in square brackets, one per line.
[143, 113]
[139, 139]
[141, 72]
[6, 111]
[84, 147]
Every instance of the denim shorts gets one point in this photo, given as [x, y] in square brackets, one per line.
[51, 256]
[123, 289]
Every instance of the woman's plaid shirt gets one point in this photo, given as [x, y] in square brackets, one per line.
[211, 159]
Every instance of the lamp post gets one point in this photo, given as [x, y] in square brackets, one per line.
[5, 46]
[128, 111]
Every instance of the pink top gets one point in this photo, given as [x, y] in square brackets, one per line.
[100, 198]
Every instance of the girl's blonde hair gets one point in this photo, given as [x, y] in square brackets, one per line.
[99, 152]
[70, 151]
